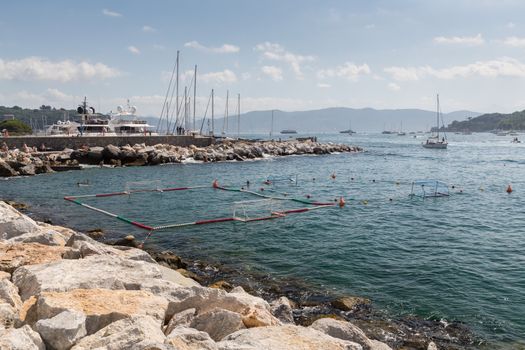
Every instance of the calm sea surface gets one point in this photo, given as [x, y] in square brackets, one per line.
[458, 258]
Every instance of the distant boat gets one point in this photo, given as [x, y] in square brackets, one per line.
[349, 131]
[288, 131]
[388, 132]
[401, 132]
[435, 141]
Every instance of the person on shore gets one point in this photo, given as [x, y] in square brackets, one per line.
[25, 148]
[5, 148]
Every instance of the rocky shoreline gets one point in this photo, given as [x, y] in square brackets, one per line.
[60, 289]
[41, 262]
[25, 161]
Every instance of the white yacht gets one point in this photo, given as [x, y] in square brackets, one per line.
[62, 128]
[126, 123]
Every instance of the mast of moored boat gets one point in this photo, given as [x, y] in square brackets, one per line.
[238, 115]
[271, 127]
[212, 114]
[194, 94]
[437, 117]
[177, 110]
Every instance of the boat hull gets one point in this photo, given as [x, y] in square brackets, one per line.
[435, 145]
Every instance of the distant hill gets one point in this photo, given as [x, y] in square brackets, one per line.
[489, 122]
[328, 120]
[331, 120]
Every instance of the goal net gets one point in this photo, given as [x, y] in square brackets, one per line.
[255, 210]
[282, 180]
[143, 186]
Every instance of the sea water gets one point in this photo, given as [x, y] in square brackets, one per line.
[457, 258]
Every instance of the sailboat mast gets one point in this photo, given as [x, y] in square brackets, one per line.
[185, 108]
[238, 115]
[437, 117]
[194, 94]
[177, 93]
[271, 127]
[212, 113]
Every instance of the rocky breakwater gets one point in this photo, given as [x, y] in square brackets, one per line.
[59, 289]
[19, 162]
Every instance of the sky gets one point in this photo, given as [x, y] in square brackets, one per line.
[286, 54]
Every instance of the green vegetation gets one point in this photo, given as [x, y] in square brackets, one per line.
[489, 122]
[15, 127]
[37, 118]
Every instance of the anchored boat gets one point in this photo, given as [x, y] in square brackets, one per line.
[436, 141]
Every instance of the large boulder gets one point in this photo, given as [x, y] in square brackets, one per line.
[130, 333]
[62, 331]
[8, 315]
[100, 306]
[12, 256]
[286, 337]
[254, 311]
[343, 330]
[283, 310]
[9, 294]
[92, 272]
[6, 170]
[181, 319]
[21, 339]
[349, 303]
[110, 152]
[218, 323]
[87, 246]
[16, 227]
[184, 338]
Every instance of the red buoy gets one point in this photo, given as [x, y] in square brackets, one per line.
[215, 183]
[333, 176]
[509, 189]
[341, 202]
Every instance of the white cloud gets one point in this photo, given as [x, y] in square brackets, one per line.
[324, 85]
[276, 52]
[134, 50]
[224, 77]
[348, 71]
[58, 95]
[37, 68]
[148, 29]
[110, 13]
[510, 25]
[461, 40]
[225, 48]
[393, 87]
[514, 41]
[273, 72]
[502, 67]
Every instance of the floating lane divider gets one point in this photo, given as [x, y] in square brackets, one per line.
[150, 229]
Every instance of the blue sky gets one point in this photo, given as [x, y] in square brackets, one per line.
[288, 54]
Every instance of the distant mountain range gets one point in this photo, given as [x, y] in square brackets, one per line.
[330, 120]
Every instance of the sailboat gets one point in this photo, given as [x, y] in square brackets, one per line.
[435, 141]
[349, 130]
[401, 132]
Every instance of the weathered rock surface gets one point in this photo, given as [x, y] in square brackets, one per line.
[282, 309]
[16, 227]
[87, 246]
[8, 315]
[184, 338]
[287, 337]
[255, 312]
[129, 333]
[183, 318]
[92, 272]
[218, 323]
[5, 275]
[62, 331]
[14, 255]
[100, 306]
[343, 330]
[23, 338]
[9, 294]
[349, 303]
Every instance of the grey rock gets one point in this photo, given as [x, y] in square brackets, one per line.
[218, 323]
[183, 318]
[62, 331]
[23, 338]
[190, 339]
[282, 309]
[342, 330]
[9, 294]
